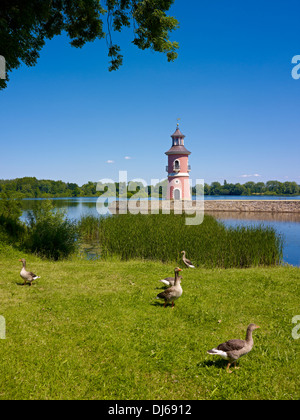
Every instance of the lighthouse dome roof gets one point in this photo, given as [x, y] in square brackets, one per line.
[178, 150]
[178, 144]
[178, 134]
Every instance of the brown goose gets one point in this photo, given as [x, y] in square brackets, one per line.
[173, 292]
[187, 262]
[232, 350]
[27, 276]
[170, 281]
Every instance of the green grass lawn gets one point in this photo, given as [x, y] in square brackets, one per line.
[94, 330]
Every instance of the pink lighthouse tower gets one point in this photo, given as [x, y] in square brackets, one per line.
[178, 169]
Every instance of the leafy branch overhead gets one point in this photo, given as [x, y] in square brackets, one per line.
[25, 25]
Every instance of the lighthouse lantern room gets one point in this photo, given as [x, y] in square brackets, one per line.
[178, 169]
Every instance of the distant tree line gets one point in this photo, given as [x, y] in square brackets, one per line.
[33, 188]
[29, 187]
[252, 188]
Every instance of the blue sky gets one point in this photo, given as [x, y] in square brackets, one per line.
[68, 118]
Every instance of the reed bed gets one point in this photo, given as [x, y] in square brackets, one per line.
[163, 237]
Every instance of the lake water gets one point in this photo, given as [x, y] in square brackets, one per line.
[286, 224]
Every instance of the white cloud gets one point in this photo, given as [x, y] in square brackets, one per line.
[110, 161]
[250, 176]
[127, 157]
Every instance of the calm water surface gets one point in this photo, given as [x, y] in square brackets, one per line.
[287, 225]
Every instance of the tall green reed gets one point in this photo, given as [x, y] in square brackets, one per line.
[163, 237]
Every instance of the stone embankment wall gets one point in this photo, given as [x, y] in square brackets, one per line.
[211, 206]
[269, 206]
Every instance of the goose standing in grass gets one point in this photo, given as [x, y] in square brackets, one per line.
[232, 350]
[27, 276]
[187, 262]
[172, 293]
[170, 281]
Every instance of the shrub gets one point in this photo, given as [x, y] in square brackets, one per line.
[12, 229]
[50, 233]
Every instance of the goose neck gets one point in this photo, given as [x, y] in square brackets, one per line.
[249, 338]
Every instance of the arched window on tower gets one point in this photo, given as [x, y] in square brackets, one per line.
[176, 165]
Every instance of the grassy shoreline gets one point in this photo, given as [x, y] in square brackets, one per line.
[93, 330]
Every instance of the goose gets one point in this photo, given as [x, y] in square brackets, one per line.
[172, 293]
[232, 350]
[26, 275]
[187, 262]
[170, 281]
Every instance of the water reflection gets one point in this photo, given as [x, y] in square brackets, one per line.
[75, 208]
[263, 216]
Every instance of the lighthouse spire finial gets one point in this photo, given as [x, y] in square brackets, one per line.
[178, 119]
